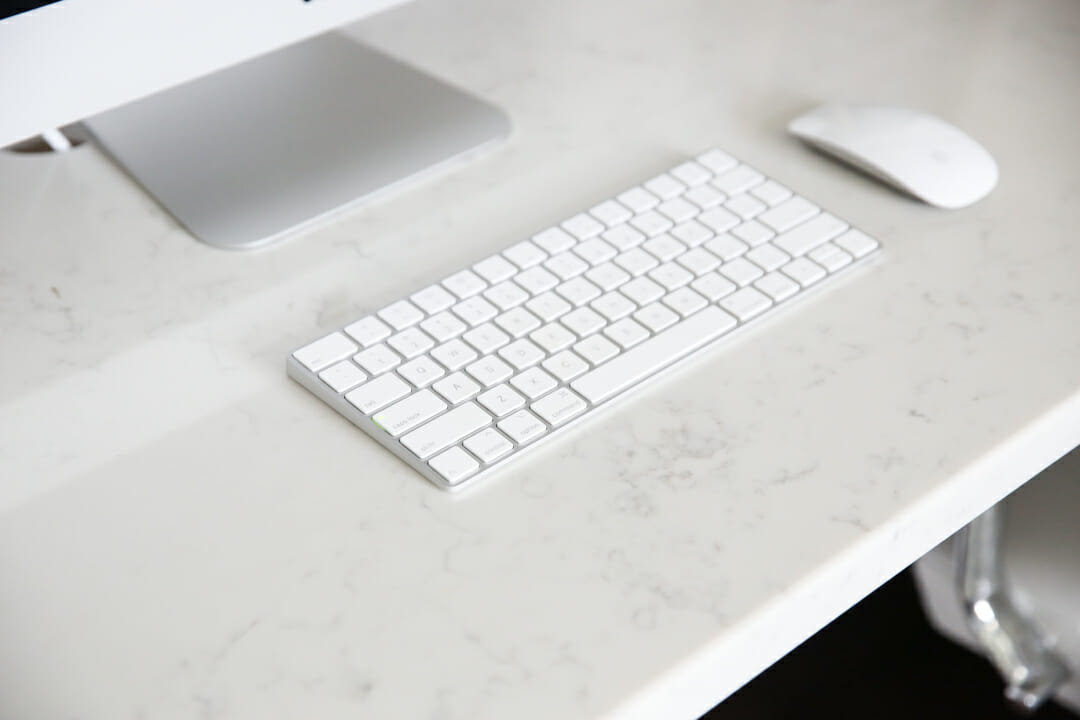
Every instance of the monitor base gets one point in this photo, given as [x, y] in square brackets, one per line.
[248, 154]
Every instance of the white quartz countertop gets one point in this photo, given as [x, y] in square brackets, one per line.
[184, 532]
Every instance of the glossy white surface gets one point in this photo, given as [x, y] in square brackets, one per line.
[64, 62]
[184, 531]
[913, 150]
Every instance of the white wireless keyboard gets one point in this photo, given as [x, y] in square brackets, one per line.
[472, 372]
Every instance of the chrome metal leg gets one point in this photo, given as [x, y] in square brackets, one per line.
[1032, 671]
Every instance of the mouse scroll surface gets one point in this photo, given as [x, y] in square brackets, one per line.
[914, 151]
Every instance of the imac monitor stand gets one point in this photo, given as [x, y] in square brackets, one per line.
[244, 155]
[244, 119]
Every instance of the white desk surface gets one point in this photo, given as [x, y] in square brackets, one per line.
[186, 533]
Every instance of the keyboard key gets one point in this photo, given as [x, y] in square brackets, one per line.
[559, 406]
[377, 359]
[325, 352]
[856, 243]
[578, 291]
[777, 286]
[611, 213]
[566, 265]
[726, 247]
[691, 233]
[490, 370]
[653, 354]
[717, 161]
[506, 295]
[501, 400]
[771, 193]
[548, 306]
[368, 331]
[664, 247]
[475, 310]
[583, 321]
[713, 286]
[607, 276]
[626, 332]
[829, 257]
[803, 271]
[525, 254]
[565, 365]
[767, 257]
[741, 271]
[456, 388]
[421, 371]
[705, 196]
[596, 349]
[595, 251]
[636, 261]
[486, 338]
[737, 180]
[464, 284]
[746, 303]
[406, 414]
[642, 290]
[623, 237]
[638, 199]
[554, 240]
[745, 206]
[652, 223]
[698, 261]
[518, 322]
[443, 326]
[522, 353]
[411, 342]
[494, 269]
[583, 226]
[752, 233]
[523, 427]
[788, 214]
[656, 317]
[378, 393]
[536, 280]
[446, 430]
[454, 465]
[664, 186]
[613, 305]
[804, 238]
[684, 301]
[433, 299]
[718, 219]
[533, 382]
[553, 337]
[691, 173]
[671, 275]
[454, 354]
[488, 445]
[342, 376]
[678, 210]
[401, 314]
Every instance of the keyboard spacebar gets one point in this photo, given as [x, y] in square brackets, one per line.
[643, 360]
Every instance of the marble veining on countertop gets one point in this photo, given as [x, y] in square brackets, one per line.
[184, 532]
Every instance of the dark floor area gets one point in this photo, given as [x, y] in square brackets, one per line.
[879, 660]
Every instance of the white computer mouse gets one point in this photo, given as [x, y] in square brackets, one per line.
[912, 150]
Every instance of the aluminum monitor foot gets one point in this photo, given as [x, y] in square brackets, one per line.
[245, 155]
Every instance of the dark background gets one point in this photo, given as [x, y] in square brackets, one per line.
[882, 661]
[7, 9]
